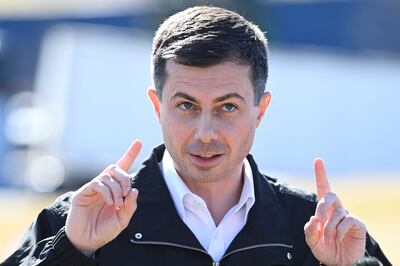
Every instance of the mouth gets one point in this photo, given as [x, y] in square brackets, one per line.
[206, 160]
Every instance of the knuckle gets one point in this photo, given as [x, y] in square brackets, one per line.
[111, 168]
[342, 212]
[351, 219]
[331, 196]
[115, 187]
[124, 179]
[96, 183]
[119, 174]
[100, 187]
[123, 173]
[322, 207]
[104, 177]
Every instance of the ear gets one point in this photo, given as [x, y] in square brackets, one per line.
[155, 101]
[263, 105]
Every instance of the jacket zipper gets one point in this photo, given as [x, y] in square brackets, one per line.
[215, 263]
[257, 246]
[168, 244]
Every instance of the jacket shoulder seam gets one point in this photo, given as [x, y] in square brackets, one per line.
[291, 191]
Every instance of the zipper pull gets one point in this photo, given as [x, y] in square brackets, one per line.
[215, 263]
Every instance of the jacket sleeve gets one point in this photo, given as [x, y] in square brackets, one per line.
[372, 249]
[45, 242]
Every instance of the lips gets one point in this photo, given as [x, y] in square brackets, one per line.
[206, 155]
[206, 160]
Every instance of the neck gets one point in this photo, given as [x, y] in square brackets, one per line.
[220, 196]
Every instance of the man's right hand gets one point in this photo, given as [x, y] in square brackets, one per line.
[102, 208]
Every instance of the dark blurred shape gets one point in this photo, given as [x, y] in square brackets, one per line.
[354, 25]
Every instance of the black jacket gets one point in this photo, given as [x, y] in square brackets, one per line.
[273, 234]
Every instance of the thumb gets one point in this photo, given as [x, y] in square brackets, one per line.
[129, 207]
[312, 231]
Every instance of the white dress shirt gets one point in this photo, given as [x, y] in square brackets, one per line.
[193, 210]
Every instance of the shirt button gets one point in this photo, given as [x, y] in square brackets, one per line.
[197, 202]
[138, 236]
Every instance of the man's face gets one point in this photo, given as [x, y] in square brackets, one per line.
[208, 119]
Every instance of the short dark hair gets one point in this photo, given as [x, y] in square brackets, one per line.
[204, 36]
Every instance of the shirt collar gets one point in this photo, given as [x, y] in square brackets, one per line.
[178, 189]
[247, 197]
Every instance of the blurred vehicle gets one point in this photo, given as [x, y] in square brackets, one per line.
[85, 109]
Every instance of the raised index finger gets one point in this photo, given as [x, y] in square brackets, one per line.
[130, 155]
[321, 178]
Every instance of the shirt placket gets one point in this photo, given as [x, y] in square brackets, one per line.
[217, 244]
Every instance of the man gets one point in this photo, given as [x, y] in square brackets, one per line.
[202, 199]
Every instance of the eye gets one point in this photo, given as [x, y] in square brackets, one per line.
[186, 106]
[228, 107]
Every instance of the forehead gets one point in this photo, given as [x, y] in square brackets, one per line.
[226, 77]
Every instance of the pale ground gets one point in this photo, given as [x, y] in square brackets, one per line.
[375, 203]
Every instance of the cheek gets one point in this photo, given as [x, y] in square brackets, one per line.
[245, 134]
[241, 133]
[175, 129]
[239, 125]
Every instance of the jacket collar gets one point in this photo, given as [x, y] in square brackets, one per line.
[267, 222]
[157, 221]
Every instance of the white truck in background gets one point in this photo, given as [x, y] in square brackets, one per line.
[88, 105]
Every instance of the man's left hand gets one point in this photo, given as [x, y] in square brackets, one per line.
[334, 235]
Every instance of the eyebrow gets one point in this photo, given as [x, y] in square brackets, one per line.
[219, 99]
[228, 96]
[183, 95]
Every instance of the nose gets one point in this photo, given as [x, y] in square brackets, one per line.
[206, 130]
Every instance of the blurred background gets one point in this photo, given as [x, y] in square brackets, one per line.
[74, 75]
